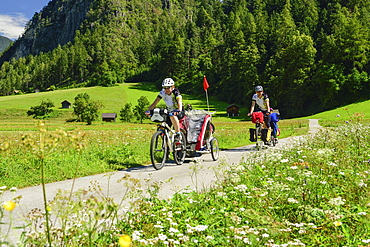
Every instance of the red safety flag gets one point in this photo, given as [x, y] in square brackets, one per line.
[205, 84]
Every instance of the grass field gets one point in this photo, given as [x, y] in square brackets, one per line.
[358, 112]
[314, 194]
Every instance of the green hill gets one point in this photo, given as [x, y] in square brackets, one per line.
[13, 108]
[4, 43]
[349, 113]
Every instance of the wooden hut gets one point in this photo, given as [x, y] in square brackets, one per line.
[232, 110]
[109, 117]
[66, 104]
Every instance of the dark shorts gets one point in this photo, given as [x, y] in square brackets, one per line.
[266, 119]
[180, 115]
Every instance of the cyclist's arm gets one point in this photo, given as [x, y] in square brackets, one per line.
[268, 106]
[155, 102]
[179, 102]
[252, 108]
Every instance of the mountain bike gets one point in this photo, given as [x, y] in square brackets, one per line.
[164, 141]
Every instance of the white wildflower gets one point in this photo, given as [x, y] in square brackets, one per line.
[362, 184]
[292, 200]
[337, 201]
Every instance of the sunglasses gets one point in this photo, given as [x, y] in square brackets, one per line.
[166, 87]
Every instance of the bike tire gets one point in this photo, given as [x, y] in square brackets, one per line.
[179, 150]
[274, 141]
[259, 142]
[158, 150]
[215, 150]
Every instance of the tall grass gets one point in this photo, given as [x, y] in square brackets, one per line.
[312, 193]
[108, 147]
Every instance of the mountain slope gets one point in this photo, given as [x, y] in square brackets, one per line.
[4, 43]
[55, 25]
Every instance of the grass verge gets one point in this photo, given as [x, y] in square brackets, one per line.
[313, 193]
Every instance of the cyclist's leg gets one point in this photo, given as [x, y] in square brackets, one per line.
[169, 121]
[267, 119]
[175, 121]
[274, 129]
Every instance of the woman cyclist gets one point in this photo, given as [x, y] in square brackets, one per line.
[173, 100]
[261, 102]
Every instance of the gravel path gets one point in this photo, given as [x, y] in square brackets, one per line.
[198, 174]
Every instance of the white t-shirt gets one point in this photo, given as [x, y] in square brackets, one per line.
[261, 102]
[170, 100]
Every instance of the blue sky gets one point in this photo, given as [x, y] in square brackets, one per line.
[14, 15]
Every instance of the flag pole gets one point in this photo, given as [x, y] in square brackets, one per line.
[207, 99]
[205, 87]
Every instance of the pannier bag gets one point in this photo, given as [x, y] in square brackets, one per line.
[159, 115]
[257, 117]
[274, 117]
[252, 135]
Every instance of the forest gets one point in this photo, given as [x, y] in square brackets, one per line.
[309, 55]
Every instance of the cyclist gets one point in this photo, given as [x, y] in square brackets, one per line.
[261, 102]
[275, 117]
[173, 100]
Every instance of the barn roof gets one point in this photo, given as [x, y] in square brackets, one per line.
[109, 115]
[232, 105]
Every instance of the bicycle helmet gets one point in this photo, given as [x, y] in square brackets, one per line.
[168, 82]
[258, 89]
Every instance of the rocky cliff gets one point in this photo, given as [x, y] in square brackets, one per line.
[4, 43]
[55, 24]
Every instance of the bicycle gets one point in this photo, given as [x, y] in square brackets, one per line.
[274, 134]
[164, 142]
[260, 133]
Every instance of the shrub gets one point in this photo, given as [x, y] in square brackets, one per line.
[86, 109]
[43, 110]
[126, 113]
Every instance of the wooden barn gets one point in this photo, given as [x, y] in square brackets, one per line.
[232, 110]
[109, 117]
[66, 104]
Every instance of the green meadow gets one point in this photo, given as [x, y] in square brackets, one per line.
[118, 145]
[313, 193]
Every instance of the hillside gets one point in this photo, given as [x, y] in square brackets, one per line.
[310, 57]
[4, 43]
[13, 108]
[54, 25]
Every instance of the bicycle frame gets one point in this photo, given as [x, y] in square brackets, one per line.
[167, 130]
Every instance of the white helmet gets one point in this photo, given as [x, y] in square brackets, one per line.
[168, 82]
[258, 89]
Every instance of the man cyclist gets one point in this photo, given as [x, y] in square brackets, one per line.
[173, 100]
[261, 102]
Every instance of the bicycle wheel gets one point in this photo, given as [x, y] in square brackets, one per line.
[158, 150]
[273, 140]
[179, 150]
[259, 142]
[215, 151]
